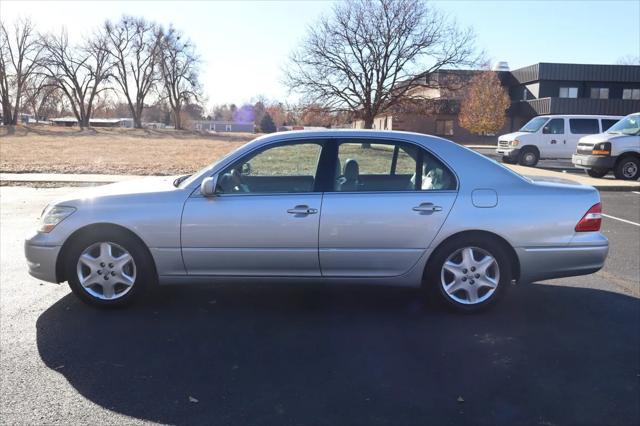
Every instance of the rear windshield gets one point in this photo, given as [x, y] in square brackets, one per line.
[534, 125]
[630, 125]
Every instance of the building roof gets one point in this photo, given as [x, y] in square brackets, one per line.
[572, 72]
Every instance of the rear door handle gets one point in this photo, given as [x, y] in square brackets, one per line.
[302, 210]
[427, 208]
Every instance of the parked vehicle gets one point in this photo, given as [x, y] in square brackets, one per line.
[617, 149]
[550, 137]
[346, 206]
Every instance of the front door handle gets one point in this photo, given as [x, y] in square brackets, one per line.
[427, 208]
[302, 210]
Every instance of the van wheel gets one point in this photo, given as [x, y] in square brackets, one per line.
[529, 157]
[597, 173]
[508, 160]
[627, 168]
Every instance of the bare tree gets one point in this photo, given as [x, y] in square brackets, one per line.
[79, 72]
[133, 45]
[41, 96]
[369, 54]
[19, 56]
[178, 64]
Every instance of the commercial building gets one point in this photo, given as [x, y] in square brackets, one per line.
[543, 88]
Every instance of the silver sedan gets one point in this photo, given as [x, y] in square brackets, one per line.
[365, 207]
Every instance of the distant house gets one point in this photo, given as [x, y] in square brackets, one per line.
[222, 126]
[94, 122]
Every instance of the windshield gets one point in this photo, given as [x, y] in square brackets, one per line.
[630, 125]
[534, 125]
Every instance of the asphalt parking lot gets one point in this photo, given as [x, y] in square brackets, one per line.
[561, 352]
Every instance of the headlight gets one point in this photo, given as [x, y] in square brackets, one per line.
[53, 215]
[514, 142]
[602, 148]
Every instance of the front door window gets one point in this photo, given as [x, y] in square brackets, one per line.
[289, 168]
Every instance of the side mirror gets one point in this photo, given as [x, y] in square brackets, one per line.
[546, 130]
[208, 186]
[246, 169]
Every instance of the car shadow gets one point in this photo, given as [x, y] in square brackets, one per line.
[333, 355]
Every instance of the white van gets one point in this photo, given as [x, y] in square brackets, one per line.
[550, 136]
[617, 149]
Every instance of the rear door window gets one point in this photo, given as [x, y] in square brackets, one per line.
[584, 126]
[389, 166]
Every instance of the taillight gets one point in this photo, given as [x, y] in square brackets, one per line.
[591, 220]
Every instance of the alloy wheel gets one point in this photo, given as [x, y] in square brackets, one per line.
[470, 275]
[106, 270]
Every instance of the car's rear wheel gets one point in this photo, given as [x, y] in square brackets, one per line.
[470, 274]
[597, 173]
[108, 269]
[529, 157]
[627, 168]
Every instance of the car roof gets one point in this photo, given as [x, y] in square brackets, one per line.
[581, 116]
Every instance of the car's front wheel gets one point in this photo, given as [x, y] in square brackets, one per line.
[627, 168]
[470, 274]
[108, 269]
[597, 173]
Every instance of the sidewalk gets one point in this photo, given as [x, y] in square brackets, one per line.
[606, 184]
[65, 178]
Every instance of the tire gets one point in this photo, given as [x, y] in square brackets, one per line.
[441, 280]
[528, 157]
[627, 168]
[597, 173]
[508, 160]
[110, 279]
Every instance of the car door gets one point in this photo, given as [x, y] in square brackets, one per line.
[263, 220]
[387, 204]
[553, 138]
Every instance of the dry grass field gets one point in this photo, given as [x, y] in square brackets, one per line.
[41, 149]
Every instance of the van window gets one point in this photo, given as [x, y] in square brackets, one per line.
[630, 125]
[534, 125]
[584, 126]
[606, 124]
[554, 127]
